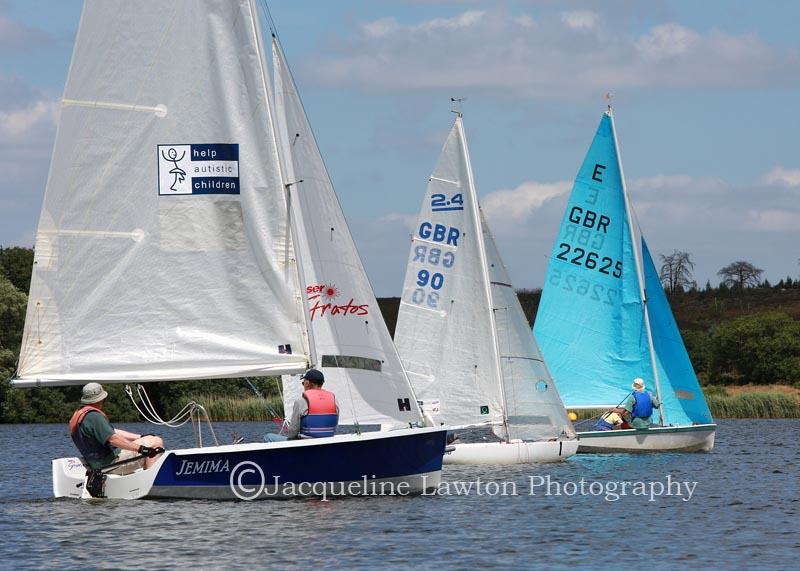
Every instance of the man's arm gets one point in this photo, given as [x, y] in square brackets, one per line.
[123, 442]
[126, 434]
[299, 410]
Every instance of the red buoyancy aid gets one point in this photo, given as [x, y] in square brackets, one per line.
[92, 451]
[79, 415]
[322, 416]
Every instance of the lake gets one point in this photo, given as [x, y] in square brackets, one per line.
[734, 507]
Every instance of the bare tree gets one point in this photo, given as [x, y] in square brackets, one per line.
[740, 275]
[676, 272]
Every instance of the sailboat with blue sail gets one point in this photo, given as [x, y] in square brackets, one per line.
[604, 320]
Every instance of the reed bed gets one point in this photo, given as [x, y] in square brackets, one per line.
[221, 408]
[750, 404]
[754, 405]
[722, 405]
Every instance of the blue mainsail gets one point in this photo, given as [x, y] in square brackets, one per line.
[591, 323]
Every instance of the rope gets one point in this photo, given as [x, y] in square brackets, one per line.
[192, 411]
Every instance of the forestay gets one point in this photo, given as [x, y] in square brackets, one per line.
[163, 250]
[353, 346]
[534, 408]
[590, 322]
[445, 332]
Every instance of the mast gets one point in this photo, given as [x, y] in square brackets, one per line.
[484, 269]
[637, 256]
[283, 165]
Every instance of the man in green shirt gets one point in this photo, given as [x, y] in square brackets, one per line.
[101, 444]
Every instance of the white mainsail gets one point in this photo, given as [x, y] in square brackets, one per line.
[353, 346]
[534, 407]
[163, 250]
[445, 328]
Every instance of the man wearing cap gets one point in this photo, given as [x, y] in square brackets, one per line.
[101, 444]
[639, 405]
[315, 414]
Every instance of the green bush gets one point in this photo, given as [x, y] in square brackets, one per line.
[760, 349]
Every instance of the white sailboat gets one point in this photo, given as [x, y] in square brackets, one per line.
[604, 320]
[462, 334]
[167, 249]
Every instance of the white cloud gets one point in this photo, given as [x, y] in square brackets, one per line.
[525, 20]
[27, 128]
[781, 176]
[516, 56]
[464, 20]
[667, 40]
[380, 28]
[518, 203]
[580, 20]
[771, 220]
[18, 124]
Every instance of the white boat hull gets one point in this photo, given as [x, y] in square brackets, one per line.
[397, 462]
[519, 452]
[697, 438]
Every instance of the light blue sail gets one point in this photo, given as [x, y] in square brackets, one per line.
[683, 400]
[591, 320]
[590, 323]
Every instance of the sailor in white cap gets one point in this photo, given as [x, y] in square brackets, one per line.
[640, 404]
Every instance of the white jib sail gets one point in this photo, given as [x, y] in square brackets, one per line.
[534, 407]
[163, 249]
[353, 346]
[445, 327]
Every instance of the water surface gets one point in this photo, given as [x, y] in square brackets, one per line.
[744, 511]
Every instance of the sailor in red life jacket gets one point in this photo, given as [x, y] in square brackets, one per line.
[315, 414]
[101, 444]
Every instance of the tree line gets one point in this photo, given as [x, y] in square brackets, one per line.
[745, 330]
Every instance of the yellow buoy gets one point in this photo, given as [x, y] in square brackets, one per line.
[572, 416]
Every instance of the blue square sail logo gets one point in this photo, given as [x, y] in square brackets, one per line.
[198, 169]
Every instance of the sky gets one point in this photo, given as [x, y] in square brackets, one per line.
[705, 98]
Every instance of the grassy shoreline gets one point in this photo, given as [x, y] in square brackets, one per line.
[746, 401]
[738, 402]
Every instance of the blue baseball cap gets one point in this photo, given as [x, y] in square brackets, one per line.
[314, 376]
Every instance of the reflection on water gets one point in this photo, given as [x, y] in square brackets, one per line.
[744, 510]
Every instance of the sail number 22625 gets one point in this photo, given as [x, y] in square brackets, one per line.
[590, 260]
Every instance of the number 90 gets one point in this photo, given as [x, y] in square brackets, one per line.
[436, 280]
